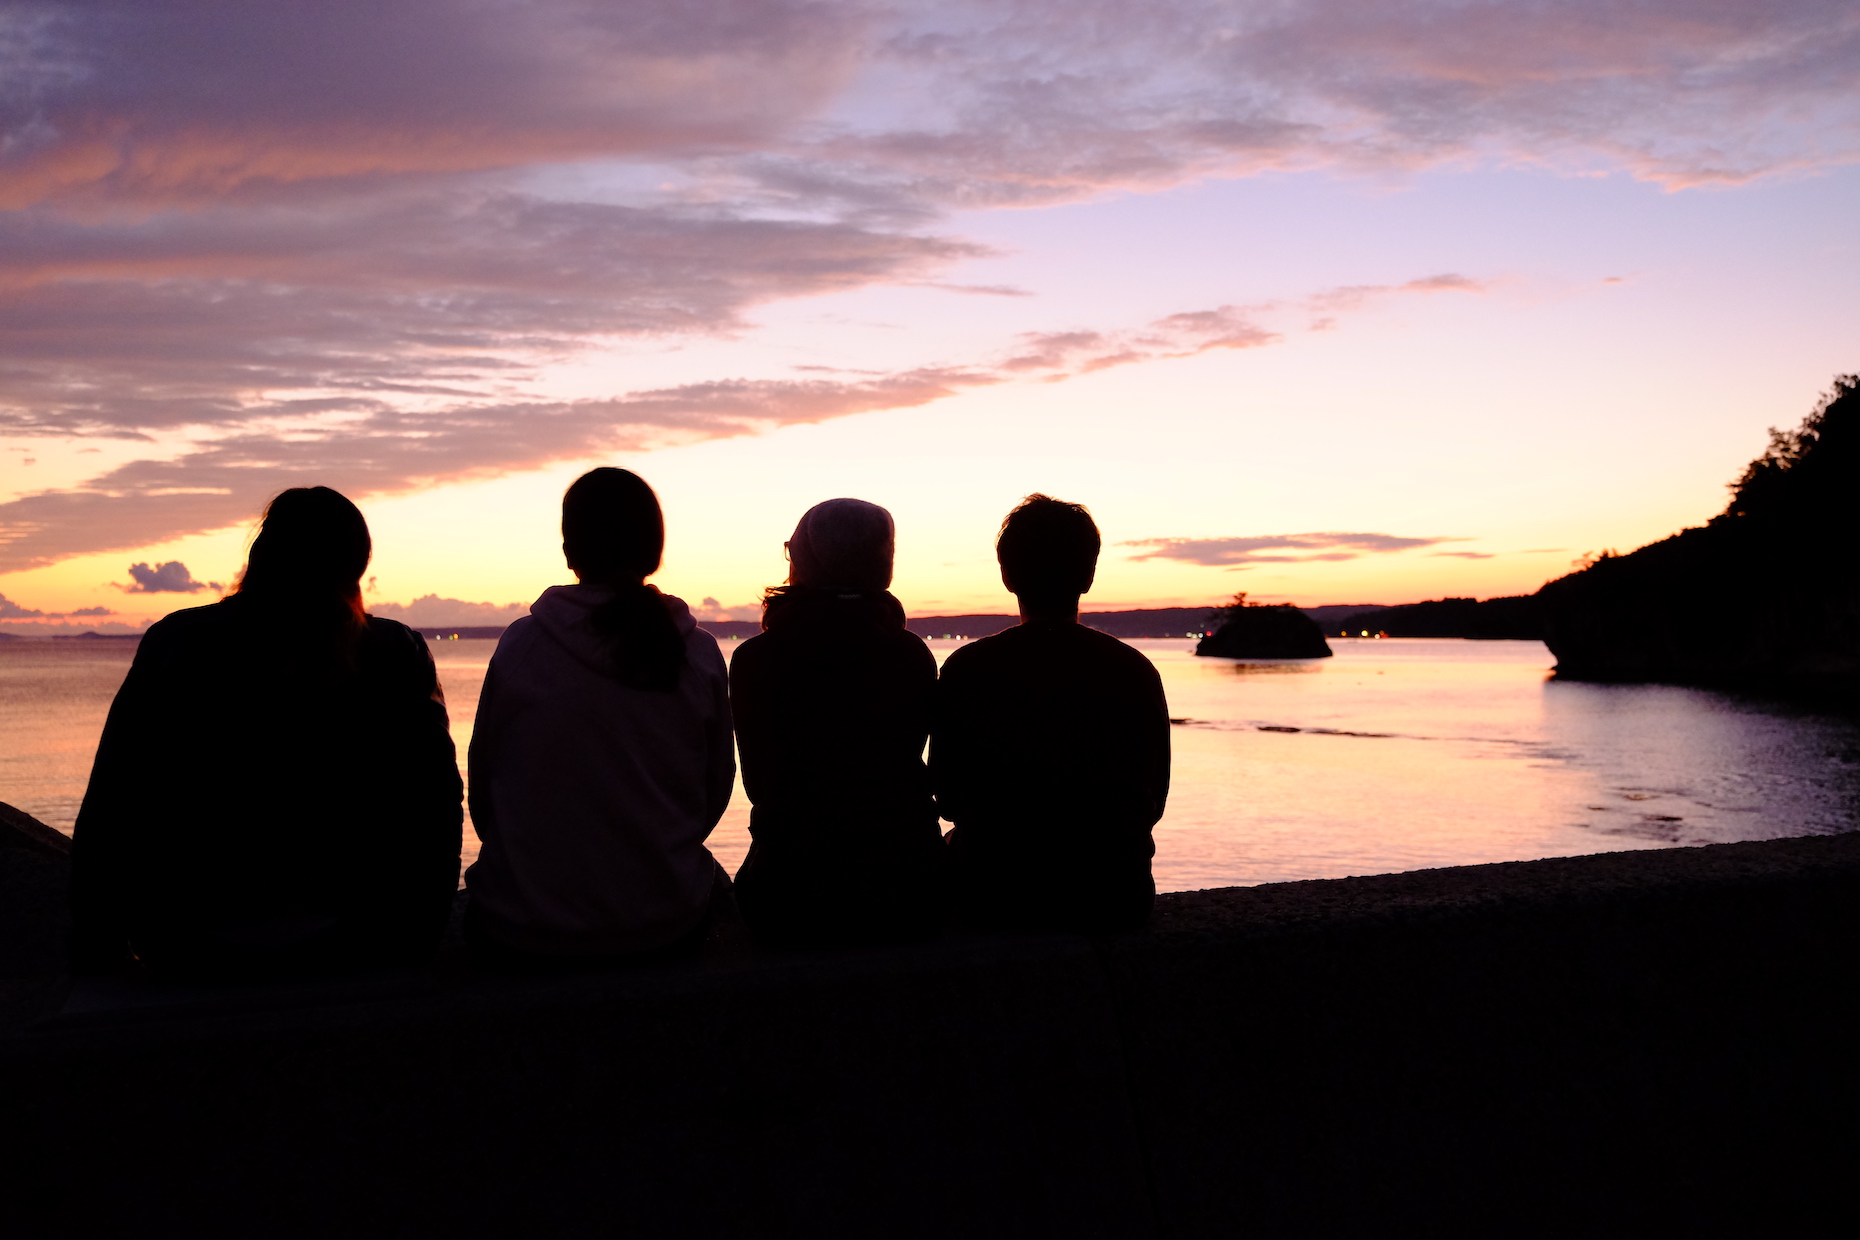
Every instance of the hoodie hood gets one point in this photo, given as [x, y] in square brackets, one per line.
[566, 614]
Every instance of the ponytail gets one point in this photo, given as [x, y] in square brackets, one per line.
[647, 648]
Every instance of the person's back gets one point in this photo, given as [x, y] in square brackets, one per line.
[601, 758]
[1050, 750]
[275, 790]
[832, 704]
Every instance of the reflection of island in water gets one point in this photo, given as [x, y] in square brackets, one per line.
[1766, 594]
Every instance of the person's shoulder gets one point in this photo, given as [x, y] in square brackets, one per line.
[1103, 643]
[1115, 651]
[382, 629]
[200, 619]
[189, 627]
[755, 646]
[703, 648]
[519, 636]
[982, 651]
[394, 638]
[906, 641]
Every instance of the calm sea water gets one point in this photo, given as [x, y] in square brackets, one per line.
[1394, 755]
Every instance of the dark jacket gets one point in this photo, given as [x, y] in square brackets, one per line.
[261, 803]
[1051, 757]
[832, 706]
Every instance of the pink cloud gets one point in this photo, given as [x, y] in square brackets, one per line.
[379, 448]
[1237, 553]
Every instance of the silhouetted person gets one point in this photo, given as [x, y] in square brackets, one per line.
[832, 704]
[601, 758]
[275, 790]
[1051, 746]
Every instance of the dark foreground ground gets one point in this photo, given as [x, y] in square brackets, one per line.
[1631, 1044]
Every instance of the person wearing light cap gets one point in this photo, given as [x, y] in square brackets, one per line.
[832, 705]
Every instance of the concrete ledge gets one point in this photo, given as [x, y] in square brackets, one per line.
[1626, 1045]
[1614, 1045]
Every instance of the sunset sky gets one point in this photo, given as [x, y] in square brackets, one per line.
[1330, 302]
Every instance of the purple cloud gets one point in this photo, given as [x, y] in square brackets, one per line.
[1297, 548]
[197, 99]
[336, 240]
[9, 610]
[169, 578]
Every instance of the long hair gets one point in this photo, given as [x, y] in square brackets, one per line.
[306, 564]
[613, 534]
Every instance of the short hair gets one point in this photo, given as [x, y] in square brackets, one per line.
[612, 527]
[1049, 548]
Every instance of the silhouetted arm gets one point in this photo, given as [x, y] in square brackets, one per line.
[1153, 743]
[481, 756]
[952, 740]
[753, 713]
[423, 794]
[720, 738]
[441, 790]
[103, 843]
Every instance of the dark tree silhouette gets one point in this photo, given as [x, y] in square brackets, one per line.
[1765, 594]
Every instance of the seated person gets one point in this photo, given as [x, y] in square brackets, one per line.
[1050, 749]
[832, 705]
[602, 757]
[275, 791]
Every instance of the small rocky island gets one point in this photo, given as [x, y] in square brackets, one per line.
[1254, 631]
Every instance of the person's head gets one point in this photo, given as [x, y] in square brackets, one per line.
[843, 543]
[1048, 551]
[613, 535]
[612, 530]
[312, 546]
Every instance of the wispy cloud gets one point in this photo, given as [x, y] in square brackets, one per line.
[1237, 553]
[380, 448]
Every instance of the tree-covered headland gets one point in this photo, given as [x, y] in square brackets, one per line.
[1766, 594]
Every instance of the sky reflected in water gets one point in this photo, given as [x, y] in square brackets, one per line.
[1394, 755]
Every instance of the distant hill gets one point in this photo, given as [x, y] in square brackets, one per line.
[1150, 622]
[1514, 617]
[463, 632]
[1765, 594]
[1331, 615]
[1142, 622]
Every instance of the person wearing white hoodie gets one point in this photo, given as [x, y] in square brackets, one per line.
[602, 756]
